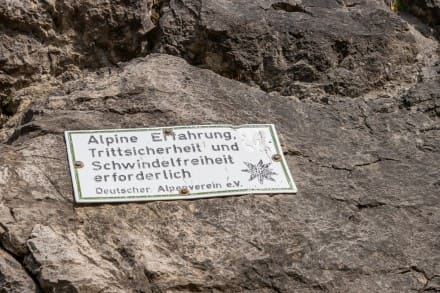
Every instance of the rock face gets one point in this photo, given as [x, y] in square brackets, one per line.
[13, 278]
[337, 47]
[40, 39]
[427, 10]
[352, 87]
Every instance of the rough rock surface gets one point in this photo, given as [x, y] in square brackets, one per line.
[337, 47]
[40, 39]
[13, 278]
[426, 10]
[365, 154]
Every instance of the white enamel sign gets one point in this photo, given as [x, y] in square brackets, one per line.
[181, 162]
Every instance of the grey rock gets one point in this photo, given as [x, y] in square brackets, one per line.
[42, 39]
[424, 97]
[67, 263]
[364, 220]
[13, 278]
[427, 10]
[340, 47]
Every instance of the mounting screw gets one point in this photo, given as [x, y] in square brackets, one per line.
[276, 158]
[78, 164]
[184, 191]
[168, 132]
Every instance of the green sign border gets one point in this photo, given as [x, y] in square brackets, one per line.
[140, 197]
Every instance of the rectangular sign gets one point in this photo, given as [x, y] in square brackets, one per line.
[182, 162]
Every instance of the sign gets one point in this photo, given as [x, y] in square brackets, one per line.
[182, 162]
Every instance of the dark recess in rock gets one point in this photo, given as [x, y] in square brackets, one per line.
[288, 7]
[427, 10]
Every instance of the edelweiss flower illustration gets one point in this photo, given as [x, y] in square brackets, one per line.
[260, 171]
